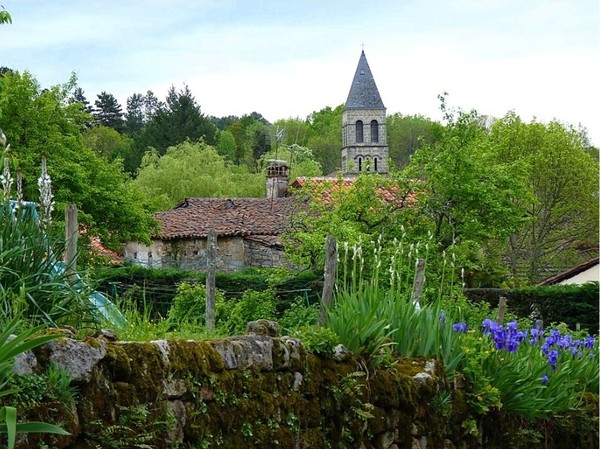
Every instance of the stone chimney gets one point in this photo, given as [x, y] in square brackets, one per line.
[277, 179]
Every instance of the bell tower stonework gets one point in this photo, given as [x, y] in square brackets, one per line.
[364, 133]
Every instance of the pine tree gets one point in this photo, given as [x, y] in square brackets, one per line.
[108, 112]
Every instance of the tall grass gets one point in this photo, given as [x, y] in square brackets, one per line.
[374, 313]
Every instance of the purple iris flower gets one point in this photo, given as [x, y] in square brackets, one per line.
[589, 342]
[511, 345]
[488, 326]
[535, 335]
[460, 327]
[544, 379]
[552, 358]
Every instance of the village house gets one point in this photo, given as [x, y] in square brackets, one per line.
[586, 272]
[248, 229]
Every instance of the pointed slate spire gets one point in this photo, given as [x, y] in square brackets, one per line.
[363, 93]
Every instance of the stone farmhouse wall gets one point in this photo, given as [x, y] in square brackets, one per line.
[233, 254]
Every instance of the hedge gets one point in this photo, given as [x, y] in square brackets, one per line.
[569, 304]
[158, 287]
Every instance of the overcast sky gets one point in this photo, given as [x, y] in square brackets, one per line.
[540, 58]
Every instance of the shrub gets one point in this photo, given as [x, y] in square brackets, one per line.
[253, 305]
[299, 314]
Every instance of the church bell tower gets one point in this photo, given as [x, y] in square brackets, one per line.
[364, 133]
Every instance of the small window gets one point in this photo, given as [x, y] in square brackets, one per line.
[359, 163]
[374, 131]
[359, 131]
[375, 164]
[149, 254]
[135, 255]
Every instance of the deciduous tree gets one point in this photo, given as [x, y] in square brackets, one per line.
[562, 226]
[194, 169]
[41, 122]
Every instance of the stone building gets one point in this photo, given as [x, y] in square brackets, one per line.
[364, 133]
[249, 229]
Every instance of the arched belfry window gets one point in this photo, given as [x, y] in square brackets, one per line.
[374, 131]
[359, 131]
[375, 164]
[359, 163]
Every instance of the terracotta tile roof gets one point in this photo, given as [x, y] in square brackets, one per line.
[392, 195]
[99, 248]
[194, 217]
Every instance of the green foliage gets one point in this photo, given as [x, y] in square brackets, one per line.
[369, 336]
[466, 192]
[42, 122]
[108, 112]
[5, 16]
[30, 283]
[523, 380]
[407, 133]
[317, 339]
[193, 170]
[300, 159]
[569, 304]
[134, 430]
[158, 287]
[9, 349]
[226, 146]
[189, 305]
[106, 142]
[562, 176]
[299, 313]
[324, 138]
[35, 389]
[252, 306]
[170, 123]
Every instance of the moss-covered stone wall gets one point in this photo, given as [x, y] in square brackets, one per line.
[261, 392]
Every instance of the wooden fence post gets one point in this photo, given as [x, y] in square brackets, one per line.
[71, 236]
[211, 266]
[501, 310]
[419, 280]
[329, 275]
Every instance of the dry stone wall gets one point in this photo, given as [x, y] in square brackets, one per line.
[252, 391]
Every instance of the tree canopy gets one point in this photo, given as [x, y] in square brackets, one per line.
[43, 123]
[562, 210]
[194, 169]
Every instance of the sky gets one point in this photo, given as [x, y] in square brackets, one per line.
[538, 58]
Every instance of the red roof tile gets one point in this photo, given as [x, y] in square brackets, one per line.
[389, 195]
[194, 217]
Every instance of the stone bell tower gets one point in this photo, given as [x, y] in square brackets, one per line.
[364, 133]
